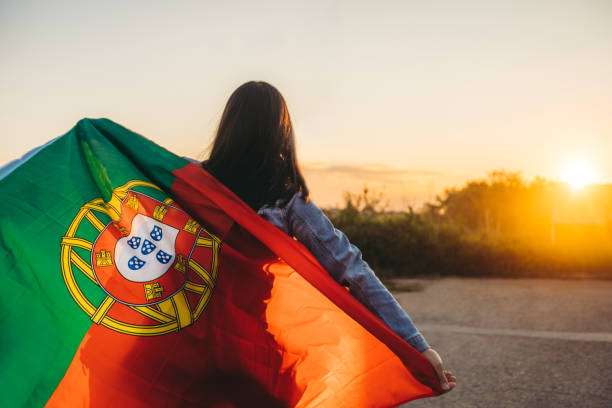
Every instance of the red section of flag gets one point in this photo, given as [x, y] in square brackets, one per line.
[275, 332]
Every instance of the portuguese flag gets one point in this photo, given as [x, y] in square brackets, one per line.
[133, 278]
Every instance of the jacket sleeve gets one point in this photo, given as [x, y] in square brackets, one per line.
[343, 261]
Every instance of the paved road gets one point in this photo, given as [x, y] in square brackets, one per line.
[518, 342]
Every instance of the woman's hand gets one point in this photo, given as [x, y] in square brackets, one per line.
[447, 380]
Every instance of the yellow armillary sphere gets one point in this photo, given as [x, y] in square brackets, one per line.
[155, 266]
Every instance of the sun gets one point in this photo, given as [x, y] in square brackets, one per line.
[578, 174]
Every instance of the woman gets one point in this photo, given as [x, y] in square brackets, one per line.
[253, 154]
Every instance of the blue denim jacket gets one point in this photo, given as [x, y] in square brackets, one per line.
[306, 222]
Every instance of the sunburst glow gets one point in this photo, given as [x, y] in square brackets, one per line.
[579, 174]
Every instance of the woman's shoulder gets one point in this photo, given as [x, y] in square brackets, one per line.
[285, 205]
[282, 213]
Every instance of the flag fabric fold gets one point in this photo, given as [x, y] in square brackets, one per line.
[132, 277]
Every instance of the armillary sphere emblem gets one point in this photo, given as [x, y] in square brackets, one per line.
[143, 266]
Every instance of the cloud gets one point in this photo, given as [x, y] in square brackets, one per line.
[400, 186]
[374, 171]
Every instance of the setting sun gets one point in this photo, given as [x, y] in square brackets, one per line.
[578, 174]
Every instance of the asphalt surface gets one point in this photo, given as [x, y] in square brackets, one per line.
[518, 342]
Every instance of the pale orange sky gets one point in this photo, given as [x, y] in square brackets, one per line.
[408, 97]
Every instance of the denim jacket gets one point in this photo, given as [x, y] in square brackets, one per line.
[306, 222]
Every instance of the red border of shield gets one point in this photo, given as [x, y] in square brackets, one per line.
[160, 289]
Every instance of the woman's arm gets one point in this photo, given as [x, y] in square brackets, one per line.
[343, 261]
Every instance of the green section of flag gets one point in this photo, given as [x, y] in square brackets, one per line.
[41, 325]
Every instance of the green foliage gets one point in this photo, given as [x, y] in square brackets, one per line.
[498, 228]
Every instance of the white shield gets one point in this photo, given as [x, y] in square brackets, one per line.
[148, 251]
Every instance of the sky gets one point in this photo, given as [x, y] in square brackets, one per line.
[406, 97]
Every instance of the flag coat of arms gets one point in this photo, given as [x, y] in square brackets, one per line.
[132, 277]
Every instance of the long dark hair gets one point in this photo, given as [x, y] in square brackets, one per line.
[253, 152]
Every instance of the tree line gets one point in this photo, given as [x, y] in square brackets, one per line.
[499, 226]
